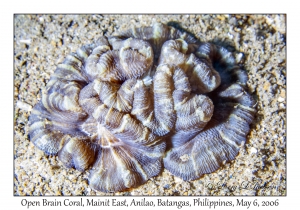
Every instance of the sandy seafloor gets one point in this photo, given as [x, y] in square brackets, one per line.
[43, 41]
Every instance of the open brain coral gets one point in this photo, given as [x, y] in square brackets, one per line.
[131, 104]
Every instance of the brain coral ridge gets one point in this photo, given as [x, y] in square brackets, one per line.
[128, 105]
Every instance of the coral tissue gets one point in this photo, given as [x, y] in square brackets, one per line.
[152, 97]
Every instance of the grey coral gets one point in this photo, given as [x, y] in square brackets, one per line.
[149, 98]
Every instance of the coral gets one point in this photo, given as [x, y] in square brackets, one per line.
[129, 104]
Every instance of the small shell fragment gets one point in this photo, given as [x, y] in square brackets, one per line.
[24, 106]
